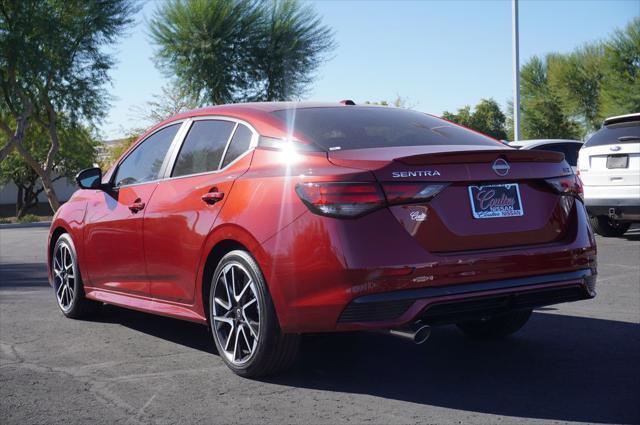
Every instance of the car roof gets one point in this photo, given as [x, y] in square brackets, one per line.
[537, 142]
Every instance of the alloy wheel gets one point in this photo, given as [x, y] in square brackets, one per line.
[64, 276]
[236, 313]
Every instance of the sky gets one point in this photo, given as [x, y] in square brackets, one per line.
[439, 55]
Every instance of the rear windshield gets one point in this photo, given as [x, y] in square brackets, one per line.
[353, 127]
[626, 132]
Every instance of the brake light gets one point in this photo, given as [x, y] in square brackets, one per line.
[341, 199]
[402, 193]
[567, 185]
[351, 200]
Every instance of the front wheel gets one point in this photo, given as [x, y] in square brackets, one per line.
[608, 227]
[67, 281]
[497, 326]
[243, 319]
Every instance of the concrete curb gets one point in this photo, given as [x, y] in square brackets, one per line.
[25, 225]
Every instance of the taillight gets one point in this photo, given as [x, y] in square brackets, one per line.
[402, 193]
[567, 185]
[352, 200]
[341, 199]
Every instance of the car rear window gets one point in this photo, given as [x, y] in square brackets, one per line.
[353, 127]
[626, 132]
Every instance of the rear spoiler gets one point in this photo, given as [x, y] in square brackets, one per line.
[466, 157]
[622, 118]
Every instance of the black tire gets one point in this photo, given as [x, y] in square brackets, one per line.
[607, 227]
[273, 351]
[497, 326]
[76, 306]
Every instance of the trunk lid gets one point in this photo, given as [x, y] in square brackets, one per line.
[448, 222]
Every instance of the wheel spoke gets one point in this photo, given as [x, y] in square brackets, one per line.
[56, 264]
[246, 340]
[72, 292]
[60, 288]
[226, 306]
[63, 294]
[235, 345]
[227, 320]
[226, 288]
[248, 304]
[246, 286]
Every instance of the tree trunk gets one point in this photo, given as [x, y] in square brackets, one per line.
[47, 184]
[16, 137]
[19, 202]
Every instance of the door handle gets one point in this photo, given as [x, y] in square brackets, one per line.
[212, 197]
[136, 206]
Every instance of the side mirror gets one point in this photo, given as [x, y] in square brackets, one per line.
[90, 178]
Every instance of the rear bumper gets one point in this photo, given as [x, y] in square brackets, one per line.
[454, 304]
[619, 209]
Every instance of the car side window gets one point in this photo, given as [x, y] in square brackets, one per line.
[203, 147]
[144, 163]
[239, 144]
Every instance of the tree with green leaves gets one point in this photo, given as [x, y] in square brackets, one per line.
[621, 82]
[487, 118]
[53, 62]
[290, 46]
[542, 111]
[77, 151]
[576, 79]
[224, 51]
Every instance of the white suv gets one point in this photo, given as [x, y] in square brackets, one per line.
[609, 166]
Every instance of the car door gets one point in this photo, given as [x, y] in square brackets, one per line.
[114, 218]
[184, 207]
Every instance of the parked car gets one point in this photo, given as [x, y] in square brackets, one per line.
[609, 166]
[569, 148]
[271, 220]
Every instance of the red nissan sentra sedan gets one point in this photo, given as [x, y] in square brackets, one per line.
[269, 220]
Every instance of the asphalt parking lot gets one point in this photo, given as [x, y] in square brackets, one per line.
[572, 362]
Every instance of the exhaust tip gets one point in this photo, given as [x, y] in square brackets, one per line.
[422, 334]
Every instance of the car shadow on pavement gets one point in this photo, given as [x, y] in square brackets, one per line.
[561, 368]
[192, 335]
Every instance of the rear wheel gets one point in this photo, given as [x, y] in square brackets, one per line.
[605, 226]
[243, 320]
[497, 326]
[67, 281]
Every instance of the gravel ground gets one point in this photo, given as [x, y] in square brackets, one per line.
[572, 362]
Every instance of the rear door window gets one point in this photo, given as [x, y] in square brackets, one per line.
[203, 147]
[239, 144]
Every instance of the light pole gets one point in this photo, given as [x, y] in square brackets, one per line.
[516, 71]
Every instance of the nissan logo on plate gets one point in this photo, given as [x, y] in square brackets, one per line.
[501, 167]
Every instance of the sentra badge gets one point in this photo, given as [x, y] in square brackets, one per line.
[419, 173]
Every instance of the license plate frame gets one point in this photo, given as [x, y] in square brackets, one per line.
[496, 200]
[617, 161]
